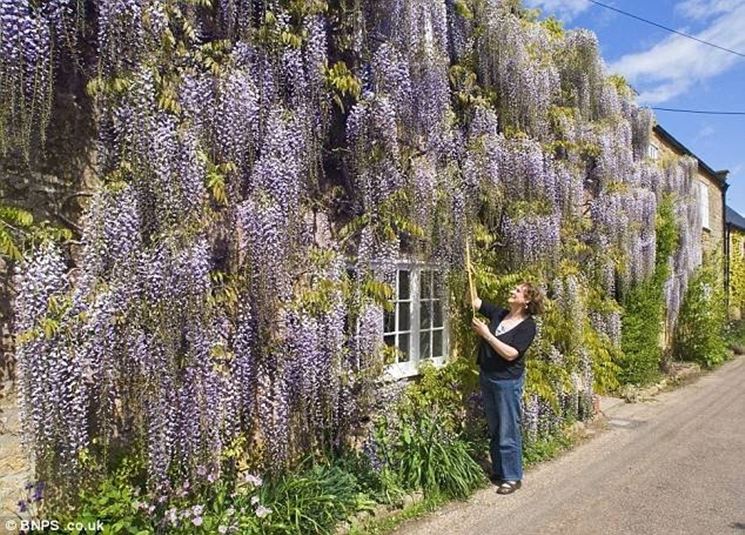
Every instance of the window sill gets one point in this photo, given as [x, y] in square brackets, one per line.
[405, 370]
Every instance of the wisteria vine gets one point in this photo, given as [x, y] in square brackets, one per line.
[249, 195]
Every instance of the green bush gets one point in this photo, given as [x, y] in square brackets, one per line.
[644, 308]
[640, 333]
[425, 456]
[545, 447]
[116, 501]
[700, 332]
[735, 337]
[312, 501]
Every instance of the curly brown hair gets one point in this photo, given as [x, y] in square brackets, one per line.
[535, 298]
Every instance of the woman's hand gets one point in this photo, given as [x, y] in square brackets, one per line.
[480, 328]
[475, 302]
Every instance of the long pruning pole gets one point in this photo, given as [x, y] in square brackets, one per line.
[471, 287]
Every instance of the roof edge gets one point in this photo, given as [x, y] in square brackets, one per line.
[719, 176]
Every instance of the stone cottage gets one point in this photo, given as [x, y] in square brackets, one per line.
[712, 187]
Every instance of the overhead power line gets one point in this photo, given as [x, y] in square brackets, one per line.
[606, 6]
[700, 112]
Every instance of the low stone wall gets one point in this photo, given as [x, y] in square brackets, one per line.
[15, 470]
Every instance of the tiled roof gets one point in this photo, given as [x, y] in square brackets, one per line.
[735, 219]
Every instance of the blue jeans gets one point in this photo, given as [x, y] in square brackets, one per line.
[502, 406]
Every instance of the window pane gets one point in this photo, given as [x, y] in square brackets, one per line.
[425, 284]
[425, 315]
[437, 313]
[404, 319]
[403, 347]
[437, 344]
[403, 285]
[390, 341]
[424, 345]
[390, 321]
[436, 284]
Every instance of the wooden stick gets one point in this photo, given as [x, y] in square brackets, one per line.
[471, 287]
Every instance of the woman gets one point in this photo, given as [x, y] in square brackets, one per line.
[504, 341]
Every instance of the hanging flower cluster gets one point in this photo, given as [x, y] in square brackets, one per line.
[515, 60]
[679, 180]
[25, 71]
[581, 73]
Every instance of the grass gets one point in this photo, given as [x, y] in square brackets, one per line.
[536, 452]
[410, 512]
[547, 448]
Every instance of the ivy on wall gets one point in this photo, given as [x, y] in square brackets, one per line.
[737, 271]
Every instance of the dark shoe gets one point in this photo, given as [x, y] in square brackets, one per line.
[508, 487]
[495, 479]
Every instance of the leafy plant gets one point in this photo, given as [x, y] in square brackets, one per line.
[737, 271]
[545, 447]
[644, 307]
[699, 333]
[116, 502]
[735, 336]
[15, 224]
[425, 456]
[605, 358]
[312, 500]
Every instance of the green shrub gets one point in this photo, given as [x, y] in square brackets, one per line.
[640, 333]
[116, 501]
[312, 501]
[644, 308]
[700, 332]
[425, 455]
[545, 447]
[735, 337]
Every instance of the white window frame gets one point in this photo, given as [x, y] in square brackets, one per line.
[653, 151]
[703, 199]
[410, 368]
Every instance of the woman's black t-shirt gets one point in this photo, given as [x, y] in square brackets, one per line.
[520, 337]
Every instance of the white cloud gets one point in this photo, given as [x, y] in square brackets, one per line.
[676, 64]
[561, 9]
[704, 9]
[705, 132]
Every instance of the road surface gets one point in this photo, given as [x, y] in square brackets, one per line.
[674, 464]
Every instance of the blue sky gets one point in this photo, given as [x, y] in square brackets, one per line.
[674, 72]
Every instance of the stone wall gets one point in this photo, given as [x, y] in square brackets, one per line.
[713, 236]
[53, 186]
